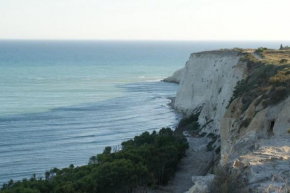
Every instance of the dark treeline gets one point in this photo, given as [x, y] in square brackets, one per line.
[147, 160]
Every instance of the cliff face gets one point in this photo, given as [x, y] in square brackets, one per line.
[254, 128]
[263, 124]
[207, 83]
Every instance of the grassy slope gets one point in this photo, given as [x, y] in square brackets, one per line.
[267, 77]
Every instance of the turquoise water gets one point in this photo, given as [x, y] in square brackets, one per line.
[39, 76]
[64, 101]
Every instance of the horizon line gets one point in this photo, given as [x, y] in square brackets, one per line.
[143, 40]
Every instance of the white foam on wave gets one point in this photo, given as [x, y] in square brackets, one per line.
[154, 80]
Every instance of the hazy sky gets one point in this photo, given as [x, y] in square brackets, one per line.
[145, 19]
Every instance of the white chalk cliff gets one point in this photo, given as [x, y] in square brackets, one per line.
[207, 82]
[255, 141]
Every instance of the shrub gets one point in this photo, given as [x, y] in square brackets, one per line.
[260, 51]
[282, 78]
[283, 61]
[194, 126]
[227, 181]
[185, 121]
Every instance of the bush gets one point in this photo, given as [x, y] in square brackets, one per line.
[187, 120]
[194, 126]
[282, 78]
[260, 51]
[283, 61]
[227, 181]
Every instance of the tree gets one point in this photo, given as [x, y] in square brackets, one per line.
[64, 188]
[71, 166]
[93, 160]
[47, 175]
[149, 159]
[10, 183]
[107, 150]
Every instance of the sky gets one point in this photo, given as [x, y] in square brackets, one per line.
[145, 19]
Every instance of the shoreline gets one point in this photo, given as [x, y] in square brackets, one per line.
[172, 101]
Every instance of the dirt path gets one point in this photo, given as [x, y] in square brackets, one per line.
[196, 163]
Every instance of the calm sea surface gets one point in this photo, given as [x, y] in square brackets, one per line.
[62, 102]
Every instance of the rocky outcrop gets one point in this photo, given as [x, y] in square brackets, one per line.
[176, 77]
[207, 82]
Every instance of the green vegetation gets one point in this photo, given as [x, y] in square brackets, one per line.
[283, 61]
[284, 48]
[267, 78]
[146, 160]
[260, 51]
[227, 181]
[189, 124]
[187, 120]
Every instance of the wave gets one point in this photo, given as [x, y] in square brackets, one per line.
[61, 136]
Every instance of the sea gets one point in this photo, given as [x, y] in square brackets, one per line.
[62, 102]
